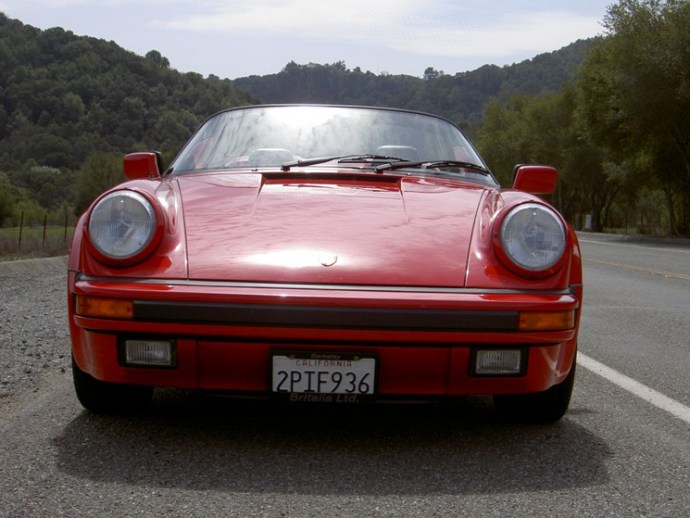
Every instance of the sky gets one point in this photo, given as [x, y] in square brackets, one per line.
[238, 38]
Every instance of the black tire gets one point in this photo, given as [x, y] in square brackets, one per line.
[542, 407]
[101, 397]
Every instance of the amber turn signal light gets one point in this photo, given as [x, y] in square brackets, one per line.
[546, 320]
[104, 308]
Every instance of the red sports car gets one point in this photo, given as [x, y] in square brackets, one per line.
[330, 254]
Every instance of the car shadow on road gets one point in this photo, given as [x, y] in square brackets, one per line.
[195, 442]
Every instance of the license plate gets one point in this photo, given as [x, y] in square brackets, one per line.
[337, 374]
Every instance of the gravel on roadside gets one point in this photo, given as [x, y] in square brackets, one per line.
[34, 335]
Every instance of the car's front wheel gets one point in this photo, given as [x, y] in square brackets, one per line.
[542, 407]
[108, 398]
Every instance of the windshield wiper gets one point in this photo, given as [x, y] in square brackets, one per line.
[342, 159]
[390, 163]
[435, 164]
[371, 158]
[309, 161]
[456, 163]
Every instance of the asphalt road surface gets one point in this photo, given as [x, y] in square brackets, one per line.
[622, 450]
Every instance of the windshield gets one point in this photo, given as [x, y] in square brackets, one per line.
[271, 136]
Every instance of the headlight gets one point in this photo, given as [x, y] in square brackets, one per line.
[122, 226]
[532, 237]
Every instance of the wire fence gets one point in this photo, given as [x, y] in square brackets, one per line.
[37, 236]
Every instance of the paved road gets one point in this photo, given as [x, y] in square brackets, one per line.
[623, 449]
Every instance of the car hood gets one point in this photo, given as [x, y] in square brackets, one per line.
[353, 229]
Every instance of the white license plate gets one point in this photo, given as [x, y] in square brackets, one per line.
[323, 373]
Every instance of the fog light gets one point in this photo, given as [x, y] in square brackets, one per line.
[500, 362]
[153, 353]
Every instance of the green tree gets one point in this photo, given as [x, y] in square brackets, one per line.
[7, 199]
[100, 172]
[157, 58]
[48, 186]
[636, 96]
[545, 129]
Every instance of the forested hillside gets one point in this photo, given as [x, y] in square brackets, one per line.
[63, 97]
[460, 97]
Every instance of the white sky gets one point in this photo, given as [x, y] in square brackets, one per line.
[236, 38]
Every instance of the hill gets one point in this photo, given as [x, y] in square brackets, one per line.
[64, 97]
[460, 97]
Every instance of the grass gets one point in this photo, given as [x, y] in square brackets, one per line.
[33, 243]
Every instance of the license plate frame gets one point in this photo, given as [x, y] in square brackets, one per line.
[323, 377]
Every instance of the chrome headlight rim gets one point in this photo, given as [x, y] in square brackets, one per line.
[145, 238]
[534, 251]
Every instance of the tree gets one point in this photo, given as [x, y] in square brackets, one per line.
[157, 58]
[47, 185]
[7, 199]
[100, 172]
[430, 73]
[636, 95]
[545, 130]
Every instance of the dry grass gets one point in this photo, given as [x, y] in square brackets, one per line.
[34, 243]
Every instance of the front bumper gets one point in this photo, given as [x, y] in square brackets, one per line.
[225, 333]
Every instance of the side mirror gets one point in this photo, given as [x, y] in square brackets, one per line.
[535, 179]
[147, 164]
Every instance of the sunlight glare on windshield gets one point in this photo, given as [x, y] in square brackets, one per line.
[302, 117]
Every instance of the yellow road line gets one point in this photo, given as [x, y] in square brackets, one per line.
[641, 269]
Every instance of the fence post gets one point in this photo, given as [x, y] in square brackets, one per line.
[21, 226]
[626, 221]
[45, 224]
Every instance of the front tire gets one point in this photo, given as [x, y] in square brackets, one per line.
[543, 407]
[101, 397]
